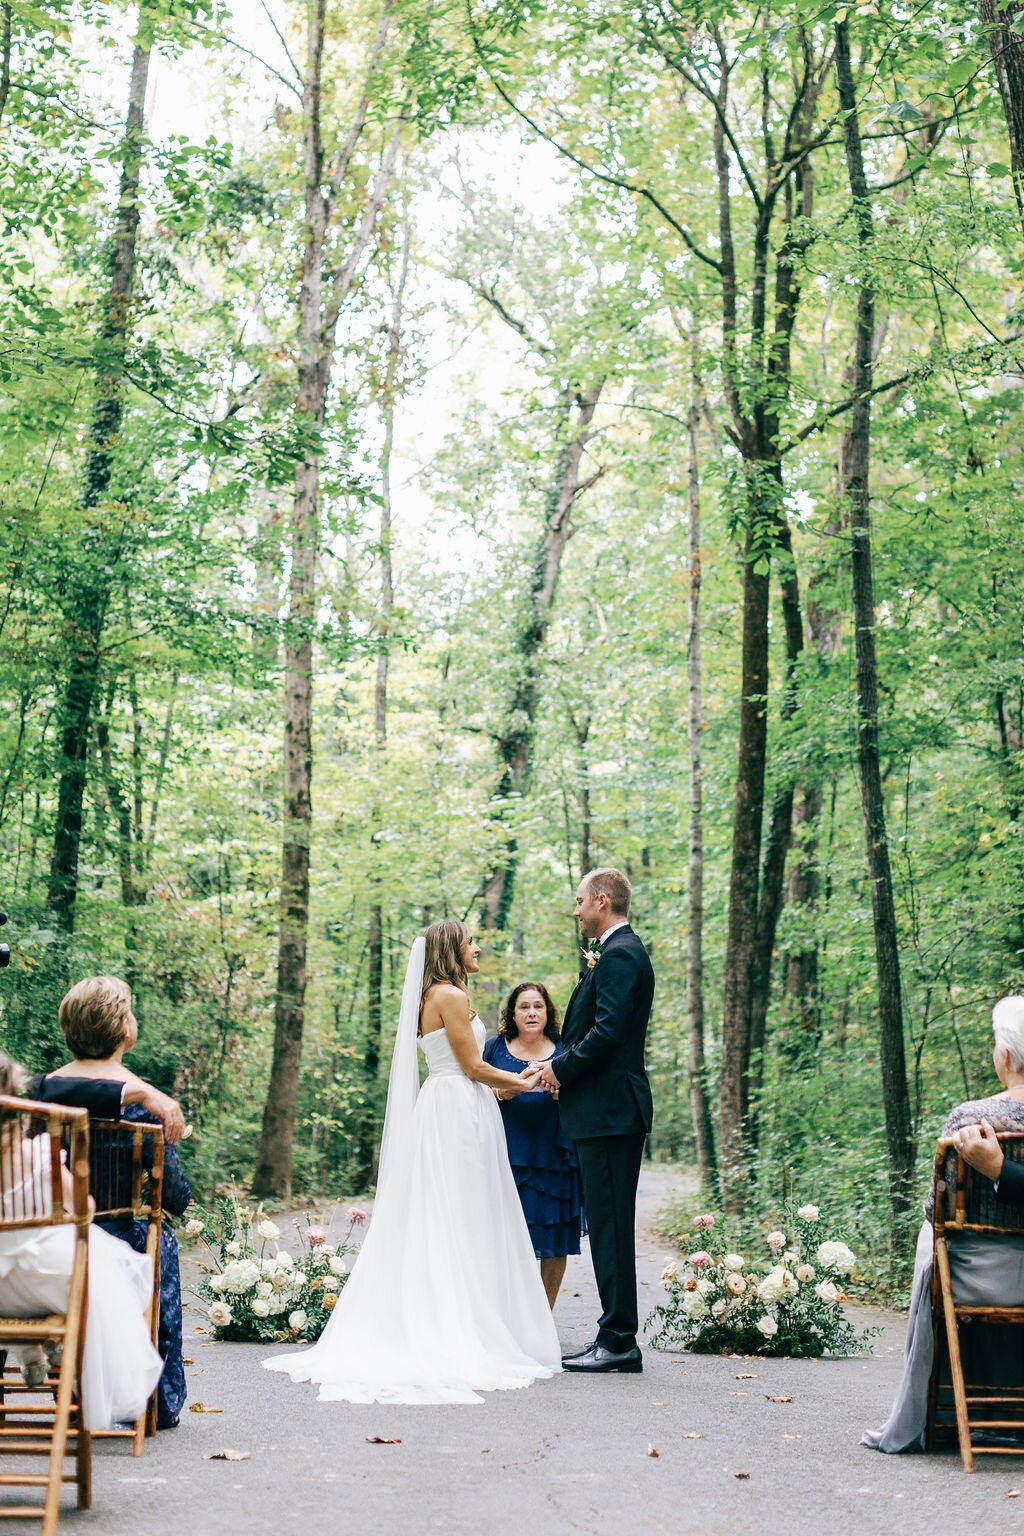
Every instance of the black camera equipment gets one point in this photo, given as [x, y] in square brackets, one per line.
[5, 949]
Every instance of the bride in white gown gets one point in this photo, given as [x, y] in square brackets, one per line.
[445, 1299]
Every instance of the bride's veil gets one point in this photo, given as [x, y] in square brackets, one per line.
[404, 1080]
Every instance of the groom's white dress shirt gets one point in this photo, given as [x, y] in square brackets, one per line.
[623, 922]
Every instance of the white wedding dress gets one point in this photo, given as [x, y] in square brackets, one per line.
[445, 1299]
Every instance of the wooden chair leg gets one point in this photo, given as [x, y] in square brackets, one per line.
[963, 1427]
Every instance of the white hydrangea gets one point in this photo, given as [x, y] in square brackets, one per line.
[835, 1255]
[277, 1305]
[767, 1325]
[705, 1286]
[826, 1291]
[264, 1289]
[808, 1213]
[269, 1266]
[338, 1265]
[260, 1307]
[217, 1283]
[297, 1319]
[220, 1314]
[240, 1275]
[695, 1305]
[734, 1261]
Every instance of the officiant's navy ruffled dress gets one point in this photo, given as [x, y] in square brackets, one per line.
[543, 1160]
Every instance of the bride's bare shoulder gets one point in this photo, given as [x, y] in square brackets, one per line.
[442, 1002]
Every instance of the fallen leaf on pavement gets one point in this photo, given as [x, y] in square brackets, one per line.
[486, 1451]
[1014, 1493]
[201, 1330]
[693, 1435]
[381, 1440]
[741, 1475]
[792, 1437]
[769, 1399]
[187, 1361]
[652, 1452]
[228, 1456]
[739, 1394]
[202, 1408]
[747, 1376]
[657, 1405]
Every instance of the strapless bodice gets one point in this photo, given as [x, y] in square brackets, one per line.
[439, 1055]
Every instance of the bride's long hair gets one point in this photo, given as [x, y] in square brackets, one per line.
[442, 959]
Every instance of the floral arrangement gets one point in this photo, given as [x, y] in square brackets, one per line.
[257, 1290]
[788, 1304]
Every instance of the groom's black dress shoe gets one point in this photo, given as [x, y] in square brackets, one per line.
[597, 1358]
[579, 1353]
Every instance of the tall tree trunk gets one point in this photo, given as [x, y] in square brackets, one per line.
[703, 1130]
[375, 936]
[324, 289]
[90, 594]
[857, 462]
[1007, 48]
[515, 742]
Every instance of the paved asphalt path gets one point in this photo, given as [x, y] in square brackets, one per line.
[570, 1455]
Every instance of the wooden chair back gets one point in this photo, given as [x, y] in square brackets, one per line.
[966, 1202]
[32, 1196]
[126, 1182]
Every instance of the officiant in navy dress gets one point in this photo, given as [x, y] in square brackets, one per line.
[542, 1156]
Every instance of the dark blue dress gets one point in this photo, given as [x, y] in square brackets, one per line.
[101, 1097]
[543, 1161]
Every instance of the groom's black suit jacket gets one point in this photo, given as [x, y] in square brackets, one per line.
[603, 1087]
[1011, 1183]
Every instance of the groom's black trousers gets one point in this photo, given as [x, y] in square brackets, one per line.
[610, 1172]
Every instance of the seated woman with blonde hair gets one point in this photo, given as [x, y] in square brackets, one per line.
[984, 1272]
[120, 1365]
[99, 1026]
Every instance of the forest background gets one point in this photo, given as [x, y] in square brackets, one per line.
[582, 433]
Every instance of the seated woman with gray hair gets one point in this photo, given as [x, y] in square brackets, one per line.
[984, 1273]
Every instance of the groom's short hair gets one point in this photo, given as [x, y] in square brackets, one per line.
[614, 884]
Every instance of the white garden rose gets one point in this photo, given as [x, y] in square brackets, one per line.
[826, 1291]
[767, 1325]
[279, 1281]
[804, 1273]
[790, 1256]
[695, 1305]
[331, 1283]
[285, 1259]
[264, 1289]
[771, 1287]
[734, 1284]
[234, 1248]
[217, 1283]
[834, 1255]
[718, 1307]
[269, 1266]
[193, 1227]
[260, 1307]
[277, 1305]
[670, 1272]
[789, 1282]
[268, 1231]
[808, 1213]
[734, 1261]
[297, 1319]
[220, 1314]
[705, 1287]
[338, 1265]
[776, 1239]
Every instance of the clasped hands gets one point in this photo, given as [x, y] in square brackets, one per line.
[544, 1077]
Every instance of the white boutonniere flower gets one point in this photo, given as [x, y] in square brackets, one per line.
[591, 956]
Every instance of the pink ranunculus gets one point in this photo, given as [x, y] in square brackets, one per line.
[699, 1259]
[704, 1223]
[317, 1236]
[356, 1215]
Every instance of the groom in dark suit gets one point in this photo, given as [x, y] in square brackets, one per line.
[605, 1103]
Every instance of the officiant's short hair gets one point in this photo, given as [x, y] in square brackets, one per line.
[615, 886]
[93, 1016]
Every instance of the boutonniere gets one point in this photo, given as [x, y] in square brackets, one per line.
[591, 956]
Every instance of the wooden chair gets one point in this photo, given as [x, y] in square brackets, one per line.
[965, 1201]
[117, 1169]
[33, 1428]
